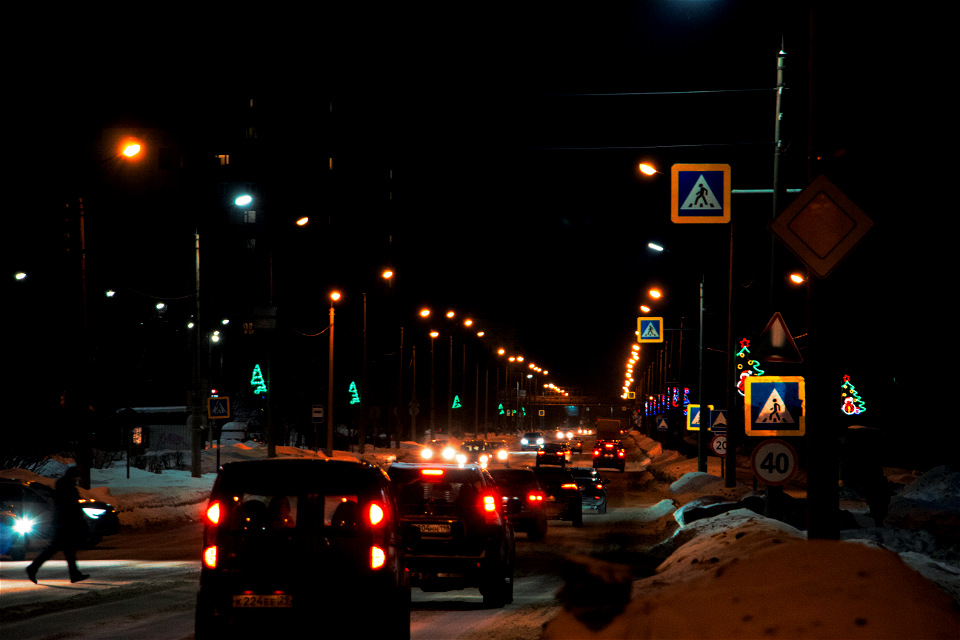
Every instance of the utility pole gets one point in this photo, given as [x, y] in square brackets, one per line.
[196, 424]
[362, 437]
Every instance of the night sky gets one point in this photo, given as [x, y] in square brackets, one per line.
[516, 194]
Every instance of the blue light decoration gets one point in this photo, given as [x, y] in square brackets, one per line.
[745, 365]
[675, 399]
[354, 395]
[686, 399]
[256, 380]
[851, 402]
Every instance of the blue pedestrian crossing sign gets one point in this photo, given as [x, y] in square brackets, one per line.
[718, 421]
[700, 193]
[662, 424]
[773, 406]
[218, 407]
[649, 329]
[694, 416]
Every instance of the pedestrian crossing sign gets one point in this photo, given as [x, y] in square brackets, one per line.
[700, 193]
[649, 329]
[773, 406]
[694, 416]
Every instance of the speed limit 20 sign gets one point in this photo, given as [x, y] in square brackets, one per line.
[774, 461]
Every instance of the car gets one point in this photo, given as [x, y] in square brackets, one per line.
[593, 493]
[439, 450]
[284, 537]
[32, 506]
[554, 453]
[457, 530]
[576, 444]
[531, 441]
[611, 454]
[561, 496]
[520, 486]
[497, 450]
[13, 543]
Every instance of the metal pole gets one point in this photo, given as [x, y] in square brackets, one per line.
[400, 392]
[362, 436]
[450, 391]
[413, 396]
[777, 151]
[329, 411]
[433, 425]
[702, 442]
[733, 434]
[195, 422]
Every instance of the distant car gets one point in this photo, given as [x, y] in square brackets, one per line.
[576, 444]
[609, 453]
[286, 539]
[439, 450]
[561, 496]
[456, 527]
[31, 504]
[593, 493]
[554, 453]
[520, 486]
[12, 541]
[497, 450]
[531, 441]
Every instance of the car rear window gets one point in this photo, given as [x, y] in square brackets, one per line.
[447, 487]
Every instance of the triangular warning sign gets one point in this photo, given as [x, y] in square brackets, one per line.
[650, 331]
[774, 410]
[775, 343]
[701, 198]
[696, 418]
[721, 420]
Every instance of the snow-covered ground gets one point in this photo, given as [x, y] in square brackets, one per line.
[736, 574]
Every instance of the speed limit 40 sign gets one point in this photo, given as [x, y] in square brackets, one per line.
[774, 461]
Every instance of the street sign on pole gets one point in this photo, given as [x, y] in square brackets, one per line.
[773, 406]
[774, 462]
[662, 424]
[317, 413]
[719, 445]
[649, 329]
[700, 193]
[218, 407]
[694, 416]
[718, 421]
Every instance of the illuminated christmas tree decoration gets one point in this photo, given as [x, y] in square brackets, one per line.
[456, 403]
[354, 395]
[259, 386]
[500, 409]
[851, 403]
[746, 366]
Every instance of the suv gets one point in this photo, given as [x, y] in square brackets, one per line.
[593, 493]
[520, 486]
[30, 505]
[457, 535]
[531, 441]
[609, 453]
[561, 496]
[554, 453]
[283, 537]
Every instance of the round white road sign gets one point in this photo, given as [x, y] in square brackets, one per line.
[774, 461]
[719, 445]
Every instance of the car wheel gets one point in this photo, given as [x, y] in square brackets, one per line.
[577, 514]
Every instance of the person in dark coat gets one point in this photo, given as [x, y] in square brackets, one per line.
[69, 527]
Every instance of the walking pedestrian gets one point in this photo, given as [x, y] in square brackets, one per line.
[69, 527]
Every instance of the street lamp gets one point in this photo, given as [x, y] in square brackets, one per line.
[329, 412]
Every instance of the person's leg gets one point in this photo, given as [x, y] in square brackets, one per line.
[70, 552]
[42, 557]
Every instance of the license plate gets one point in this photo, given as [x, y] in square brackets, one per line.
[434, 528]
[273, 601]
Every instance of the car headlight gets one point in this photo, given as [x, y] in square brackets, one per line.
[569, 435]
[539, 440]
[461, 458]
[426, 453]
[484, 458]
[523, 441]
[502, 454]
[23, 526]
[93, 513]
[448, 453]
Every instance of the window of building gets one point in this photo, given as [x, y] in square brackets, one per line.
[250, 217]
[224, 160]
[251, 243]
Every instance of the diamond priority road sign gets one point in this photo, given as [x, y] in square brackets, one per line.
[700, 193]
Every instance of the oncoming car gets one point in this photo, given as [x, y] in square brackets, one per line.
[531, 441]
[284, 537]
[439, 451]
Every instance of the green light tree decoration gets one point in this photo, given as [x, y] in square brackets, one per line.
[456, 403]
[257, 382]
[354, 394]
[746, 366]
[851, 402]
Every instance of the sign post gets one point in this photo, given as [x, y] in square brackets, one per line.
[700, 193]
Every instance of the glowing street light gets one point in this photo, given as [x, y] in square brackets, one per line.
[646, 169]
[243, 200]
[131, 149]
[796, 278]
[655, 293]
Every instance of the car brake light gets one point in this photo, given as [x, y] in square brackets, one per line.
[599, 486]
[569, 485]
[489, 504]
[210, 557]
[377, 557]
[541, 452]
[621, 453]
[432, 472]
[608, 446]
[534, 497]
[213, 513]
[596, 452]
[376, 514]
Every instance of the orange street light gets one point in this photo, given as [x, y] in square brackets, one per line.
[131, 149]
[387, 274]
[796, 278]
[647, 169]
[655, 293]
[303, 221]
[424, 313]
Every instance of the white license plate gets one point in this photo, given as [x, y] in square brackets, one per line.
[434, 528]
[273, 601]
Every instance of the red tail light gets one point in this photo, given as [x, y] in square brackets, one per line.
[213, 513]
[541, 452]
[489, 504]
[432, 472]
[569, 485]
[210, 557]
[377, 557]
[376, 513]
[608, 446]
[535, 497]
[596, 452]
[621, 453]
